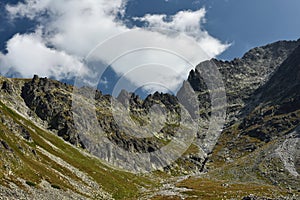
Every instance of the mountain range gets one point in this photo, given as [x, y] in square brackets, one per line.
[49, 149]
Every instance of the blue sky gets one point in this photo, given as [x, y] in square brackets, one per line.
[248, 24]
[244, 23]
[36, 30]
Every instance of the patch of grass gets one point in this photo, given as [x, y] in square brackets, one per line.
[21, 79]
[219, 189]
[193, 149]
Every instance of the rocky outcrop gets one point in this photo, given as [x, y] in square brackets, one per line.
[274, 107]
[263, 142]
[242, 76]
[7, 87]
[51, 101]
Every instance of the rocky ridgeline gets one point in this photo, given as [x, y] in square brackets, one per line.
[242, 76]
[51, 101]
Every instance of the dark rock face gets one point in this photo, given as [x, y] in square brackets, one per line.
[7, 87]
[25, 133]
[43, 96]
[169, 101]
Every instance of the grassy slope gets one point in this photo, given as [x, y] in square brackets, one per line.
[26, 165]
[221, 189]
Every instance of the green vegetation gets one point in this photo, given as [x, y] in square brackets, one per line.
[218, 189]
[34, 169]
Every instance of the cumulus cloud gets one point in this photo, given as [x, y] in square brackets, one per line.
[73, 28]
[190, 23]
[27, 54]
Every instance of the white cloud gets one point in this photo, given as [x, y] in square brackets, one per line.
[190, 23]
[27, 54]
[74, 28]
[184, 21]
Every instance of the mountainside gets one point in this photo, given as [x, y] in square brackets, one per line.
[267, 131]
[242, 76]
[49, 147]
[36, 164]
[277, 101]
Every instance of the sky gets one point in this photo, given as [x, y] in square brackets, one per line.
[55, 38]
[243, 23]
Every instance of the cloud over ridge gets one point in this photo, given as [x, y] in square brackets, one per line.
[68, 30]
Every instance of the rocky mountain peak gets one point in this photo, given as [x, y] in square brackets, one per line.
[242, 76]
[274, 106]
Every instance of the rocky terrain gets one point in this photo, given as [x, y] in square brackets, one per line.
[272, 111]
[50, 147]
[242, 76]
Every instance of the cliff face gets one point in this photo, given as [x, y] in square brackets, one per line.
[260, 136]
[274, 107]
[242, 76]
